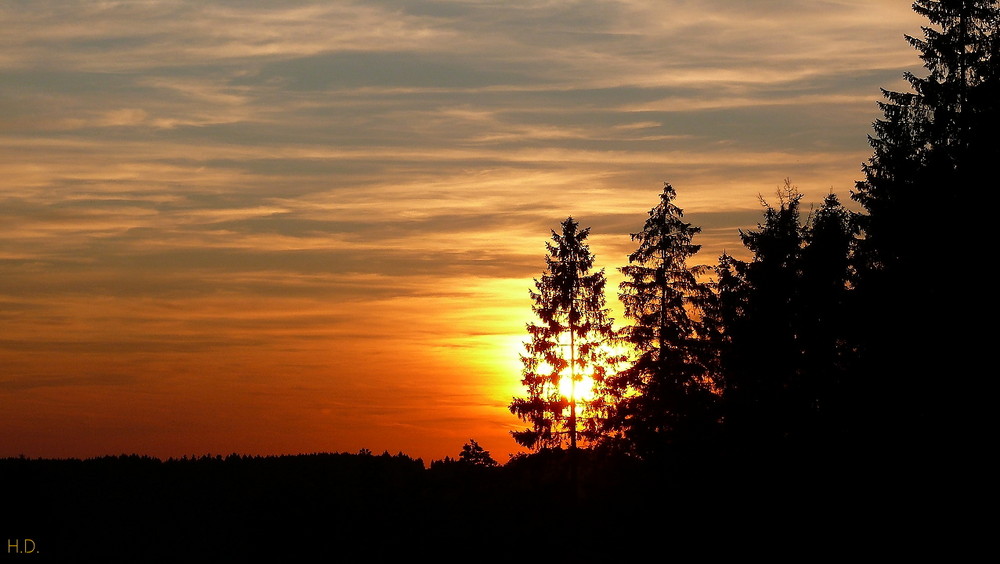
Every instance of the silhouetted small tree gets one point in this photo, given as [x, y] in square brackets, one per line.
[474, 455]
[567, 344]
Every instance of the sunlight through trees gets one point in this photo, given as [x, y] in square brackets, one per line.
[569, 342]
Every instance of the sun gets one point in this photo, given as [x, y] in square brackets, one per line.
[586, 389]
[583, 391]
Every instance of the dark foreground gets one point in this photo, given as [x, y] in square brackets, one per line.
[359, 506]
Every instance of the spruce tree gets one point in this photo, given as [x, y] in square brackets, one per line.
[932, 144]
[937, 139]
[568, 345]
[825, 330]
[665, 397]
[787, 349]
[758, 302]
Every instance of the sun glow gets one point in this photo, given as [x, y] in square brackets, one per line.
[583, 391]
[586, 387]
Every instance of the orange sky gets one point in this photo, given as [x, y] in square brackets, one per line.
[305, 226]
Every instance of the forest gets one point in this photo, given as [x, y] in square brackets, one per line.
[827, 378]
[842, 332]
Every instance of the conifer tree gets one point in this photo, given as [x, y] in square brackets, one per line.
[475, 455]
[567, 346]
[825, 327]
[759, 300]
[665, 396]
[938, 138]
[786, 352]
[932, 144]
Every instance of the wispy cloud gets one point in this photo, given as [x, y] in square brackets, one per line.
[203, 198]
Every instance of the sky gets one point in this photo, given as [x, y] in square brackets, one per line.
[292, 226]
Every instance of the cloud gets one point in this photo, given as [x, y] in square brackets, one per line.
[312, 192]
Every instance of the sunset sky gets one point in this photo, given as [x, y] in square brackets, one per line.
[291, 226]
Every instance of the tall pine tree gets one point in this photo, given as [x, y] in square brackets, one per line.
[666, 396]
[759, 300]
[825, 330]
[568, 346]
[937, 139]
[932, 144]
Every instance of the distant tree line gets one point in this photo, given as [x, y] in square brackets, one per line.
[842, 329]
[360, 506]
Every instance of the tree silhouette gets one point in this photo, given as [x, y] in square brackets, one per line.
[758, 301]
[932, 142]
[666, 394]
[568, 344]
[940, 136]
[787, 352]
[474, 455]
[826, 333]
